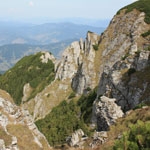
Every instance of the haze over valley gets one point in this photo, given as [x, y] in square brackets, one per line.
[19, 39]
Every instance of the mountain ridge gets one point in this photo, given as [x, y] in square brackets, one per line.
[97, 81]
[44, 34]
[12, 53]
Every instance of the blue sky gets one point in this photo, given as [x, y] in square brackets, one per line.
[52, 9]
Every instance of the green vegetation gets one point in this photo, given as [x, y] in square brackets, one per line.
[31, 70]
[88, 89]
[66, 118]
[86, 104]
[146, 33]
[137, 138]
[137, 53]
[72, 95]
[129, 125]
[95, 47]
[148, 49]
[131, 71]
[125, 56]
[61, 122]
[141, 5]
[140, 106]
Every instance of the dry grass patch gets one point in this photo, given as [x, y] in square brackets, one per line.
[123, 124]
[6, 96]
[24, 136]
[7, 138]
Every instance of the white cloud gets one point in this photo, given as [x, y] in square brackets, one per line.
[31, 4]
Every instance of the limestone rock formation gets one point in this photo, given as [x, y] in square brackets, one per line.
[124, 80]
[125, 61]
[106, 112]
[99, 138]
[77, 138]
[18, 130]
[77, 64]
[47, 56]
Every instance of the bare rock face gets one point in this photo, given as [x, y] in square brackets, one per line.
[77, 64]
[68, 65]
[125, 61]
[17, 125]
[27, 89]
[143, 61]
[47, 56]
[2, 144]
[127, 80]
[106, 112]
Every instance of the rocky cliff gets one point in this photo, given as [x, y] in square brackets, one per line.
[126, 60]
[77, 64]
[126, 50]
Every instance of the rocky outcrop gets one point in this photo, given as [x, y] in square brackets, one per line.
[124, 61]
[77, 64]
[47, 56]
[13, 145]
[99, 138]
[77, 138]
[14, 122]
[127, 80]
[106, 112]
[27, 89]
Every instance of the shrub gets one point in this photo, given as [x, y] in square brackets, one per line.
[86, 104]
[125, 56]
[131, 71]
[138, 53]
[138, 137]
[72, 95]
[140, 106]
[146, 34]
[95, 47]
[88, 89]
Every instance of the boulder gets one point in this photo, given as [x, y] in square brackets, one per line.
[77, 138]
[107, 112]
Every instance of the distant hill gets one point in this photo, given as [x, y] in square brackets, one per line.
[44, 33]
[18, 40]
[11, 53]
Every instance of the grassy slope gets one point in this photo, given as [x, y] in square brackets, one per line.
[31, 70]
[124, 124]
[141, 5]
[65, 118]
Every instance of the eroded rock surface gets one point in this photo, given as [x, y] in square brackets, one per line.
[17, 124]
